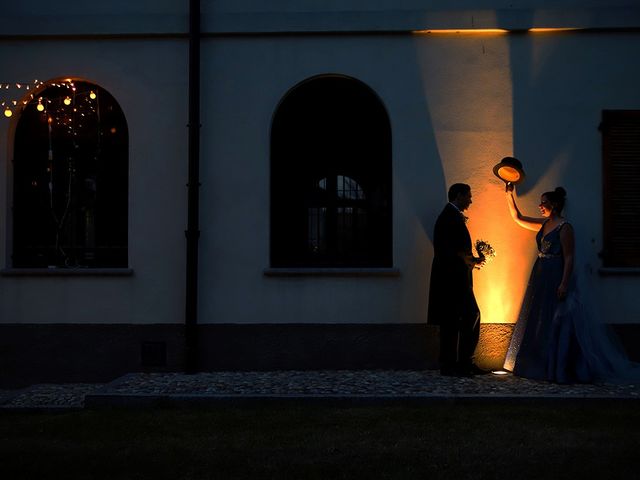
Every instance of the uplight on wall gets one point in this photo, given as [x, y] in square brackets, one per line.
[552, 30]
[461, 31]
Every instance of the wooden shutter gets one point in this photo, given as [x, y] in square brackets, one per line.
[621, 174]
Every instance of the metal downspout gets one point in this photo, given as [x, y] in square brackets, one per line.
[193, 190]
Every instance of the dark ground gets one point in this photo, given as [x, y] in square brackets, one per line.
[448, 439]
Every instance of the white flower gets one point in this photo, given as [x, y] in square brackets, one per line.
[485, 250]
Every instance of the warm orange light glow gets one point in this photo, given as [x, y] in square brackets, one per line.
[552, 30]
[468, 150]
[460, 31]
[471, 127]
[494, 341]
[500, 285]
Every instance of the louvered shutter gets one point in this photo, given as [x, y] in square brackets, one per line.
[621, 172]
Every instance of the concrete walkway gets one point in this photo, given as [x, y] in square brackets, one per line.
[348, 387]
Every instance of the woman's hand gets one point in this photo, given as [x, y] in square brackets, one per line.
[562, 291]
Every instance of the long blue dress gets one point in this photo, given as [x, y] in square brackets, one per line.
[557, 340]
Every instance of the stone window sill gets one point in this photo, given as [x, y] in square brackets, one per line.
[619, 271]
[66, 272]
[332, 272]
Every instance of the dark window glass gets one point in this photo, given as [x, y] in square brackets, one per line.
[70, 180]
[331, 177]
[621, 173]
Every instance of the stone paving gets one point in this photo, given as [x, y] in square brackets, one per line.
[138, 388]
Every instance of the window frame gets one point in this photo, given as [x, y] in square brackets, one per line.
[116, 189]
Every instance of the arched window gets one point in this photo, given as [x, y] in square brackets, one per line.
[70, 179]
[331, 177]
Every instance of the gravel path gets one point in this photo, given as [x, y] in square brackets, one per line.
[357, 384]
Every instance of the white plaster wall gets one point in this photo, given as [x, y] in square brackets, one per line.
[247, 79]
[148, 79]
[565, 82]
[457, 105]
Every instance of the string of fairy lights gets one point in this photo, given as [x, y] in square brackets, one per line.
[65, 106]
[8, 106]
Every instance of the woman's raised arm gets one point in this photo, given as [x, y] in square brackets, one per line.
[530, 223]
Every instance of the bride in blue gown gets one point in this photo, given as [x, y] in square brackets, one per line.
[555, 338]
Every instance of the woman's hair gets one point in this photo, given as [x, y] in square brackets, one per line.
[557, 198]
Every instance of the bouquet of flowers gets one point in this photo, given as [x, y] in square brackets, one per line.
[485, 250]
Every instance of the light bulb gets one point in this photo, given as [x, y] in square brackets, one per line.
[8, 112]
[67, 101]
[92, 95]
[40, 107]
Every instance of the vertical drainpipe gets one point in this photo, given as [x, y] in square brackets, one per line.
[193, 191]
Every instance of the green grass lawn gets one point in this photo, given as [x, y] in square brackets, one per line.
[441, 440]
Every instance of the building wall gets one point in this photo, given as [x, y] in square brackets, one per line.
[457, 102]
[152, 98]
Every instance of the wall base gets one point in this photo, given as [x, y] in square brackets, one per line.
[31, 354]
[318, 347]
[71, 353]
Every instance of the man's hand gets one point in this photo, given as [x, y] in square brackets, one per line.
[474, 262]
[480, 261]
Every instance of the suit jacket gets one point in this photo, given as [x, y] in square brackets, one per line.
[451, 287]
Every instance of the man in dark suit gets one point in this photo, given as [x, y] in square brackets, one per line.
[452, 304]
